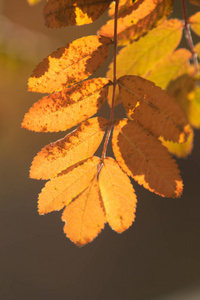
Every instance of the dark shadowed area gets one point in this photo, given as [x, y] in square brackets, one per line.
[157, 258]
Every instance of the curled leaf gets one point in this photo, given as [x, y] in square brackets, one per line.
[67, 108]
[70, 64]
[145, 159]
[74, 147]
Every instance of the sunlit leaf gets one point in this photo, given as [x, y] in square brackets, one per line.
[59, 13]
[170, 68]
[124, 5]
[194, 21]
[153, 108]
[142, 156]
[67, 108]
[118, 196]
[84, 217]
[33, 2]
[61, 190]
[74, 147]
[197, 49]
[70, 64]
[137, 22]
[194, 107]
[142, 56]
[180, 150]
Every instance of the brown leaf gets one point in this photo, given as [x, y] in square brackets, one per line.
[74, 147]
[70, 64]
[84, 218]
[59, 13]
[137, 22]
[67, 108]
[153, 108]
[61, 190]
[118, 196]
[143, 157]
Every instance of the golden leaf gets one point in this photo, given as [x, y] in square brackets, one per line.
[74, 147]
[67, 108]
[84, 217]
[70, 64]
[118, 196]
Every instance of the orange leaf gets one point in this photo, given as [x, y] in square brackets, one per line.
[136, 22]
[153, 108]
[67, 108]
[84, 218]
[118, 196]
[61, 190]
[143, 157]
[123, 6]
[70, 64]
[59, 13]
[74, 147]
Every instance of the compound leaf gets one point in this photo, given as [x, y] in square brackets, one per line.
[142, 156]
[61, 190]
[70, 64]
[74, 147]
[118, 196]
[67, 108]
[84, 217]
[59, 13]
[153, 108]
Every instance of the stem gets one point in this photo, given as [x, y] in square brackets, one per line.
[189, 37]
[114, 81]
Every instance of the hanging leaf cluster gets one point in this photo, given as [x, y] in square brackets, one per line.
[95, 190]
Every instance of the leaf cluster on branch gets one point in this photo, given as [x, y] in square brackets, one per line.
[94, 190]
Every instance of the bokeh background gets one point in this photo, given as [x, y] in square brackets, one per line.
[157, 258]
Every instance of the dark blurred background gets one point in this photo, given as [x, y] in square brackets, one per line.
[157, 258]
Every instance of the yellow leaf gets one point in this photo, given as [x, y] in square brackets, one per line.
[59, 13]
[197, 49]
[123, 6]
[84, 217]
[143, 157]
[194, 21]
[136, 22]
[194, 107]
[61, 190]
[153, 108]
[180, 150]
[67, 108]
[170, 68]
[118, 196]
[70, 64]
[140, 57]
[74, 147]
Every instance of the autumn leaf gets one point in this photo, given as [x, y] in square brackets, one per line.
[197, 49]
[74, 147]
[67, 108]
[61, 190]
[84, 218]
[153, 108]
[180, 150]
[59, 13]
[136, 22]
[142, 156]
[171, 67]
[123, 6]
[70, 64]
[33, 2]
[149, 50]
[194, 21]
[194, 107]
[118, 196]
